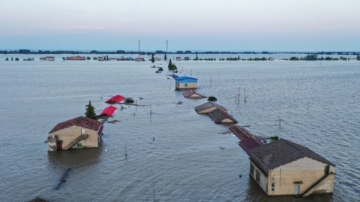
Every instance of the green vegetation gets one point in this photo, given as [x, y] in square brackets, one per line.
[257, 59]
[160, 69]
[95, 58]
[152, 58]
[310, 57]
[165, 58]
[90, 111]
[129, 100]
[196, 58]
[358, 57]
[212, 99]
[294, 59]
[171, 66]
[88, 58]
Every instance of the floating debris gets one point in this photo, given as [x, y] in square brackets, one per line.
[226, 132]
[63, 178]
[37, 199]
[113, 121]
[179, 103]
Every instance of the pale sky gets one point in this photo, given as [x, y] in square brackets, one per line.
[223, 25]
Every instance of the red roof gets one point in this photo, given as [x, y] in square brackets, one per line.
[250, 143]
[240, 132]
[115, 99]
[79, 121]
[108, 111]
[189, 93]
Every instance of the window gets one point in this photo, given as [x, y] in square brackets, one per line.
[79, 145]
[251, 169]
[257, 176]
[273, 187]
[186, 85]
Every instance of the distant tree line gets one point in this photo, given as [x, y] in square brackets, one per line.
[310, 56]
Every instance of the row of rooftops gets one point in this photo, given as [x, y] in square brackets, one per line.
[87, 122]
[267, 156]
[216, 112]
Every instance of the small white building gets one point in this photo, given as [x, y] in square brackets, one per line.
[286, 168]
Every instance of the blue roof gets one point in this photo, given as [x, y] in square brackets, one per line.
[185, 79]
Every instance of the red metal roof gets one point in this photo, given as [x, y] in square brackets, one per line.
[79, 121]
[115, 99]
[240, 132]
[108, 111]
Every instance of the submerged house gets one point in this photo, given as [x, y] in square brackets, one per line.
[192, 94]
[209, 107]
[108, 111]
[80, 132]
[185, 82]
[220, 116]
[286, 168]
[115, 99]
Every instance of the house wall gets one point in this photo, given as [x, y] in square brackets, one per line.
[206, 111]
[263, 178]
[305, 170]
[195, 96]
[227, 120]
[189, 85]
[69, 134]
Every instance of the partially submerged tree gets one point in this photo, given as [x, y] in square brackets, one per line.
[165, 58]
[212, 99]
[152, 58]
[171, 66]
[90, 111]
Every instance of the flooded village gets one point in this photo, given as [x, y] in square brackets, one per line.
[279, 166]
[210, 126]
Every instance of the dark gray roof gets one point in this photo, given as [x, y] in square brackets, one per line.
[281, 152]
[208, 105]
[219, 115]
[189, 93]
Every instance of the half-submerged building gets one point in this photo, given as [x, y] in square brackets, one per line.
[185, 82]
[80, 132]
[192, 94]
[220, 116]
[209, 107]
[286, 168]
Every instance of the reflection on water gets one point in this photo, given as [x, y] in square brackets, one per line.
[184, 163]
[75, 158]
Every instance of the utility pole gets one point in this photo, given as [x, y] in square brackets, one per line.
[139, 48]
[125, 150]
[238, 95]
[245, 95]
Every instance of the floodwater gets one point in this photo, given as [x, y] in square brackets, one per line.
[318, 103]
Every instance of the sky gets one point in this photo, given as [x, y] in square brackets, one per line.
[196, 25]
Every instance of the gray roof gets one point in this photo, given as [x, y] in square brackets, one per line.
[281, 152]
[219, 115]
[208, 105]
